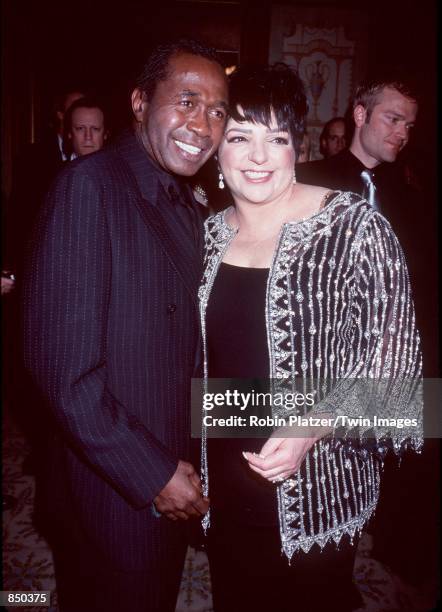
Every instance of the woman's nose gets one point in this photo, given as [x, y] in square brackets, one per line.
[258, 153]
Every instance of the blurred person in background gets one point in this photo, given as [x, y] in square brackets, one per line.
[85, 128]
[333, 137]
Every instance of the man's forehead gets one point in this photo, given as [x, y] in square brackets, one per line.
[182, 66]
[93, 115]
[337, 126]
[87, 110]
[390, 95]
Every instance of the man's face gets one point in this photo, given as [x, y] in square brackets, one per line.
[87, 132]
[387, 131]
[334, 142]
[181, 127]
[304, 150]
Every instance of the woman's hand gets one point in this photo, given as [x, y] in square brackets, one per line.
[283, 453]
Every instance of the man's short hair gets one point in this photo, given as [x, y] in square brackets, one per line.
[367, 92]
[327, 126]
[85, 102]
[156, 68]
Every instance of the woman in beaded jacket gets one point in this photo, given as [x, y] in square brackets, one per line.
[300, 284]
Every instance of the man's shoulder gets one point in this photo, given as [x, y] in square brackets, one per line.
[105, 165]
[337, 172]
[104, 158]
[319, 172]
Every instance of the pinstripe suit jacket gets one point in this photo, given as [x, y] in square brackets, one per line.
[111, 338]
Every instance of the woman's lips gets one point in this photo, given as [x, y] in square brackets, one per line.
[257, 176]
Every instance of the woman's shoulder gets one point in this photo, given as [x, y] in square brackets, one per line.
[313, 191]
[325, 195]
[217, 225]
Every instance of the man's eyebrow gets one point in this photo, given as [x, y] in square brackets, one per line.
[395, 114]
[188, 92]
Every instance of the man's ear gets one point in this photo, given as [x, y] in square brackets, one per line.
[359, 115]
[139, 104]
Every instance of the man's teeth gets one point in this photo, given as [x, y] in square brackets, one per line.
[188, 148]
[256, 175]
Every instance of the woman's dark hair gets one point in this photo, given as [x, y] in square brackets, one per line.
[270, 91]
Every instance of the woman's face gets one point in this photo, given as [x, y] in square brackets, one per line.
[257, 161]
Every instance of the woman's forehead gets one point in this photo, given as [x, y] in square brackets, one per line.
[254, 119]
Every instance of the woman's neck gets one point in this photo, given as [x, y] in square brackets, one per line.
[260, 220]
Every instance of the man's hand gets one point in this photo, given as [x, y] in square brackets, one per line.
[182, 496]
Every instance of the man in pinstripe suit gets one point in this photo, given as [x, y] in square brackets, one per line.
[112, 339]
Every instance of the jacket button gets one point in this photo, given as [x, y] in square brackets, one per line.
[171, 308]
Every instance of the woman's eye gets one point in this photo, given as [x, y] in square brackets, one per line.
[186, 103]
[281, 140]
[236, 139]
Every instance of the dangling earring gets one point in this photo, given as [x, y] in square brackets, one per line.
[294, 176]
[220, 180]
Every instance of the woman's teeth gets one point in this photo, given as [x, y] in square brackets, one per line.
[256, 175]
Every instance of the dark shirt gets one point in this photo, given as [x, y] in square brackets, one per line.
[343, 172]
[180, 195]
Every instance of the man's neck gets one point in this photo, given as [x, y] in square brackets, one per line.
[368, 161]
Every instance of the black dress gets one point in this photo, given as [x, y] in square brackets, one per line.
[235, 326]
[248, 570]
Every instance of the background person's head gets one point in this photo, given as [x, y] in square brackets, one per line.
[61, 105]
[264, 133]
[384, 112]
[180, 105]
[333, 137]
[304, 149]
[85, 127]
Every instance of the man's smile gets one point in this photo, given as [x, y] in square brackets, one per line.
[193, 150]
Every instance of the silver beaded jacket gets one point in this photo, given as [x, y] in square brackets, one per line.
[339, 317]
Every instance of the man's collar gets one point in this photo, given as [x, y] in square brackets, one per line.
[150, 175]
[147, 173]
[353, 159]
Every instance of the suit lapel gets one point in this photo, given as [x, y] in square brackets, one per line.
[174, 241]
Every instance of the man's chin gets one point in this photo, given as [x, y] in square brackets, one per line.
[186, 167]
[87, 152]
[390, 158]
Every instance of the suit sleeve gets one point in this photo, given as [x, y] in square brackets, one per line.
[66, 297]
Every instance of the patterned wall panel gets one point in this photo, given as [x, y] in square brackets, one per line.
[327, 48]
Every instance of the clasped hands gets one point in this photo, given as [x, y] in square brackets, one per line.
[182, 497]
[283, 453]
